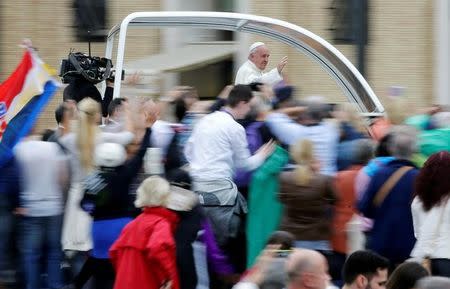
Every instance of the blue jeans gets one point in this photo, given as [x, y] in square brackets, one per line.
[39, 235]
[6, 234]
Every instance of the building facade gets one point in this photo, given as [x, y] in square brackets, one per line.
[405, 48]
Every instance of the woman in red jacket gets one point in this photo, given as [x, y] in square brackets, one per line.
[144, 254]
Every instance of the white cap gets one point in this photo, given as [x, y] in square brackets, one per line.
[109, 155]
[254, 46]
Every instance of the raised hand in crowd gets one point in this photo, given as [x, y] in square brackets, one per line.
[267, 149]
[282, 64]
[225, 92]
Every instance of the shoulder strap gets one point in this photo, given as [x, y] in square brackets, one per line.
[389, 185]
[62, 147]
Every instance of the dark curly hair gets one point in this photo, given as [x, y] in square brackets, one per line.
[433, 181]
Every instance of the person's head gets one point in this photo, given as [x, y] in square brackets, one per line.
[259, 54]
[259, 107]
[316, 110]
[144, 111]
[433, 182]
[433, 282]
[363, 151]
[441, 119]
[406, 275]
[403, 142]
[365, 270]
[283, 238]
[395, 109]
[239, 100]
[89, 117]
[80, 88]
[116, 108]
[348, 112]
[62, 114]
[154, 191]
[264, 90]
[283, 97]
[302, 152]
[89, 111]
[262, 96]
[307, 269]
[382, 147]
[186, 98]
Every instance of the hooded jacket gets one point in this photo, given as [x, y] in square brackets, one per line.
[144, 255]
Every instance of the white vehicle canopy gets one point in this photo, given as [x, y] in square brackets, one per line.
[352, 83]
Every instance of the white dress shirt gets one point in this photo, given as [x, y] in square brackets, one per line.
[432, 232]
[249, 73]
[217, 146]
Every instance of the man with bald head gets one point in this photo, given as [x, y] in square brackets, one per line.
[253, 69]
[305, 269]
[433, 282]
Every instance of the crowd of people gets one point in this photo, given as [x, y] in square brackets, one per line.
[257, 189]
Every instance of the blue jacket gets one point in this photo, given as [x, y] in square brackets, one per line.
[393, 234]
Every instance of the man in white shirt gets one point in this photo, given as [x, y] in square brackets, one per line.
[44, 170]
[218, 143]
[253, 69]
[218, 146]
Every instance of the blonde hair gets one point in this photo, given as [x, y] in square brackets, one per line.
[154, 191]
[398, 109]
[354, 118]
[302, 153]
[87, 130]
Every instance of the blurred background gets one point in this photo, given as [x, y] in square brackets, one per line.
[401, 46]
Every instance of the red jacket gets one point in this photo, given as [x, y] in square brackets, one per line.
[144, 254]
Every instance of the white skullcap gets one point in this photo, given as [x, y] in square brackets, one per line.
[254, 46]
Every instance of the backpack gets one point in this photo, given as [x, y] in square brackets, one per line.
[96, 192]
[254, 139]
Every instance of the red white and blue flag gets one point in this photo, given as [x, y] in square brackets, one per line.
[22, 98]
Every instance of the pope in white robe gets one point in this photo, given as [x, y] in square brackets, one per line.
[253, 69]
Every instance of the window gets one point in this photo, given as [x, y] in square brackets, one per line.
[90, 20]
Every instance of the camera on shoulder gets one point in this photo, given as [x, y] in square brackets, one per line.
[92, 68]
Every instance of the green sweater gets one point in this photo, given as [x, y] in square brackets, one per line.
[265, 210]
[434, 140]
[430, 141]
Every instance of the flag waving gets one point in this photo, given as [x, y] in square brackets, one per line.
[22, 97]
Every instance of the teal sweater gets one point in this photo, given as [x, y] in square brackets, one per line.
[265, 210]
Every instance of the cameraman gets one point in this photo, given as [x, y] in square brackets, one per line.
[80, 88]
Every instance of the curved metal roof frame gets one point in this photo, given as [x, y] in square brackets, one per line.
[353, 84]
